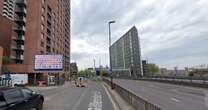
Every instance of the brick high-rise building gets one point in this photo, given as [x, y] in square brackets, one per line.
[39, 27]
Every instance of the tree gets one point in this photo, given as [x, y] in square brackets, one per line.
[86, 73]
[152, 69]
[104, 72]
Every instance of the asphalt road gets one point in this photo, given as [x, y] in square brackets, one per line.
[168, 96]
[69, 97]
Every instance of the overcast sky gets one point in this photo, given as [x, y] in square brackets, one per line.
[172, 32]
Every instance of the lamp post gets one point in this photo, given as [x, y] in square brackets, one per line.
[109, 24]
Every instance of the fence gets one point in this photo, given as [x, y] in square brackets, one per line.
[137, 102]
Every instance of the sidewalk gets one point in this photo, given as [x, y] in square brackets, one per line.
[120, 102]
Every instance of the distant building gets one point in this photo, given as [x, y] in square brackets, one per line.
[174, 72]
[144, 67]
[73, 71]
[126, 56]
[73, 68]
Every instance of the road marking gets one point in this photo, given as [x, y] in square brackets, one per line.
[174, 99]
[79, 100]
[112, 101]
[206, 98]
[96, 104]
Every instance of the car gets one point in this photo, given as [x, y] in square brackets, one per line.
[81, 82]
[16, 98]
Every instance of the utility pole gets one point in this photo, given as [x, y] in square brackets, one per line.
[109, 23]
[94, 63]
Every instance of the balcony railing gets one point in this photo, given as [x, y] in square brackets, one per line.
[21, 2]
[21, 57]
[20, 28]
[20, 19]
[18, 47]
[20, 10]
[22, 38]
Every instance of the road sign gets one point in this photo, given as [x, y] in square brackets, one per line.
[110, 72]
[98, 72]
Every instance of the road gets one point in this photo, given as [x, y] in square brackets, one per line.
[168, 96]
[69, 97]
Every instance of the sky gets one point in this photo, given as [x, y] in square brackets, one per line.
[173, 33]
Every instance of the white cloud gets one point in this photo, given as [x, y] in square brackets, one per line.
[163, 25]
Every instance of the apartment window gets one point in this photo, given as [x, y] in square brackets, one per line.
[41, 52]
[42, 27]
[42, 36]
[43, 2]
[49, 9]
[42, 18]
[43, 10]
[42, 44]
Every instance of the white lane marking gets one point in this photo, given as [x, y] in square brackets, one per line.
[112, 101]
[96, 104]
[206, 98]
[174, 99]
[79, 100]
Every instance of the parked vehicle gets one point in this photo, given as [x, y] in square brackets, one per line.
[20, 99]
[81, 82]
[19, 79]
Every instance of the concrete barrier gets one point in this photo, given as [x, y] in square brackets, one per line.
[186, 82]
[137, 102]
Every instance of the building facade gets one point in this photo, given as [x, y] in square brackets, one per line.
[40, 27]
[126, 56]
[73, 70]
[1, 59]
[7, 7]
[144, 67]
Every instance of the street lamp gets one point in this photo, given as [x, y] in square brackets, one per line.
[109, 23]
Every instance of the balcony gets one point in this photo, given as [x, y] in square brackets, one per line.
[18, 48]
[19, 29]
[17, 58]
[20, 20]
[21, 57]
[21, 3]
[21, 11]
[22, 38]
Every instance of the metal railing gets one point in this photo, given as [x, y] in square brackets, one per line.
[137, 102]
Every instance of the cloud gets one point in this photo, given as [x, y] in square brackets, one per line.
[172, 32]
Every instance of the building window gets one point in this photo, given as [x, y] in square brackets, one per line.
[42, 18]
[42, 36]
[42, 44]
[43, 10]
[41, 52]
[42, 27]
[43, 2]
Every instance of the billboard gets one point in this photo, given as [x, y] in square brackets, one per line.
[48, 63]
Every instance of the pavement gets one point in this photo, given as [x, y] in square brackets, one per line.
[168, 96]
[70, 97]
